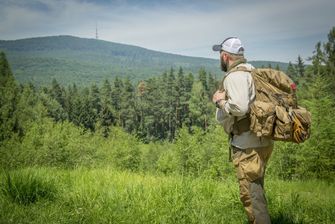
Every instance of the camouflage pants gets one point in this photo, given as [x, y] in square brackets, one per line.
[250, 166]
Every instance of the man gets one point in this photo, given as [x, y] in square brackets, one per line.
[250, 153]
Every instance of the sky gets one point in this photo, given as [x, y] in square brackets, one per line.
[269, 30]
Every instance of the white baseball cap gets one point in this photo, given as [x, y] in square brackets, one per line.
[231, 45]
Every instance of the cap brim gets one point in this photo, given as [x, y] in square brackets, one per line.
[217, 47]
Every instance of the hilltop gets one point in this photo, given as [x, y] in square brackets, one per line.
[72, 59]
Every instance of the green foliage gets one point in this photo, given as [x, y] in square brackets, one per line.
[28, 186]
[314, 158]
[201, 109]
[125, 151]
[126, 126]
[300, 67]
[292, 73]
[109, 196]
[292, 202]
[329, 53]
[85, 61]
[317, 154]
[8, 100]
[203, 154]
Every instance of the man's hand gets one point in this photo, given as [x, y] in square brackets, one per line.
[218, 95]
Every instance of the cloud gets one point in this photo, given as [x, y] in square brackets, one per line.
[273, 30]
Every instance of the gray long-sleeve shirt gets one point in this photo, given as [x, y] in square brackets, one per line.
[239, 87]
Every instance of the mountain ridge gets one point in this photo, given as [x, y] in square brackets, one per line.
[71, 59]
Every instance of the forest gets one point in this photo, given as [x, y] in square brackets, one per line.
[86, 61]
[151, 151]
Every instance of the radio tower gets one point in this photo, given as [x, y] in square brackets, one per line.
[96, 31]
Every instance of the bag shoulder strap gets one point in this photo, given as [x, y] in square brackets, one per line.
[238, 68]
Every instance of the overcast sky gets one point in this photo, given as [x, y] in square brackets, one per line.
[270, 30]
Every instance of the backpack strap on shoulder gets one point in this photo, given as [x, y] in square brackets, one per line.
[238, 68]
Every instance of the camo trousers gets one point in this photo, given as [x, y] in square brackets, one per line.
[250, 166]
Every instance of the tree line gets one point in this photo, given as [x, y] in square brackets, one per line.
[166, 107]
[153, 109]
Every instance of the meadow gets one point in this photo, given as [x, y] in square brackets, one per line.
[50, 195]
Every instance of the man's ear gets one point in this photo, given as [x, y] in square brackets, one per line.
[223, 56]
[226, 57]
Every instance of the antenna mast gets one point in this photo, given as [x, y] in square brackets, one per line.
[96, 31]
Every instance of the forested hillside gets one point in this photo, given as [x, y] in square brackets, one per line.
[164, 107]
[85, 61]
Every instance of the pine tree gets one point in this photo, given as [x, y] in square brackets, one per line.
[57, 93]
[9, 95]
[329, 49]
[141, 105]
[291, 72]
[94, 103]
[300, 67]
[329, 56]
[203, 78]
[29, 108]
[51, 99]
[171, 101]
[213, 85]
[189, 81]
[116, 98]
[154, 122]
[128, 109]
[181, 98]
[201, 110]
[315, 157]
[317, 60]
[95, 98]
[87, 115]
[70, 96]
[105, 117]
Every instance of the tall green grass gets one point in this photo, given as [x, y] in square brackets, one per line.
[27, 186]
[109, 196]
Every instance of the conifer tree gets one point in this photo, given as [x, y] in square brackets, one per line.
[212, 84]
[127, 107]
[105, 117]
[317, 60]
[57, 93]
[329, 56]
[95, 99]
[69, 105]
[189, 80]
[142, 107]
[291, 72]
[29, 108]
[181, 98]
[203, 78]
[171, 95]
[201, 109]
[9, 94]
[87, 114]
[329, 51]
[315, 157]
[300, 67]
[116, 98]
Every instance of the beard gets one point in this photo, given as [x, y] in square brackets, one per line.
[224, 66]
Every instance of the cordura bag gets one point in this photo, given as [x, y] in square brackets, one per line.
[275, 112]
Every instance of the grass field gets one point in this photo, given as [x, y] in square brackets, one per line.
[48, 195]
